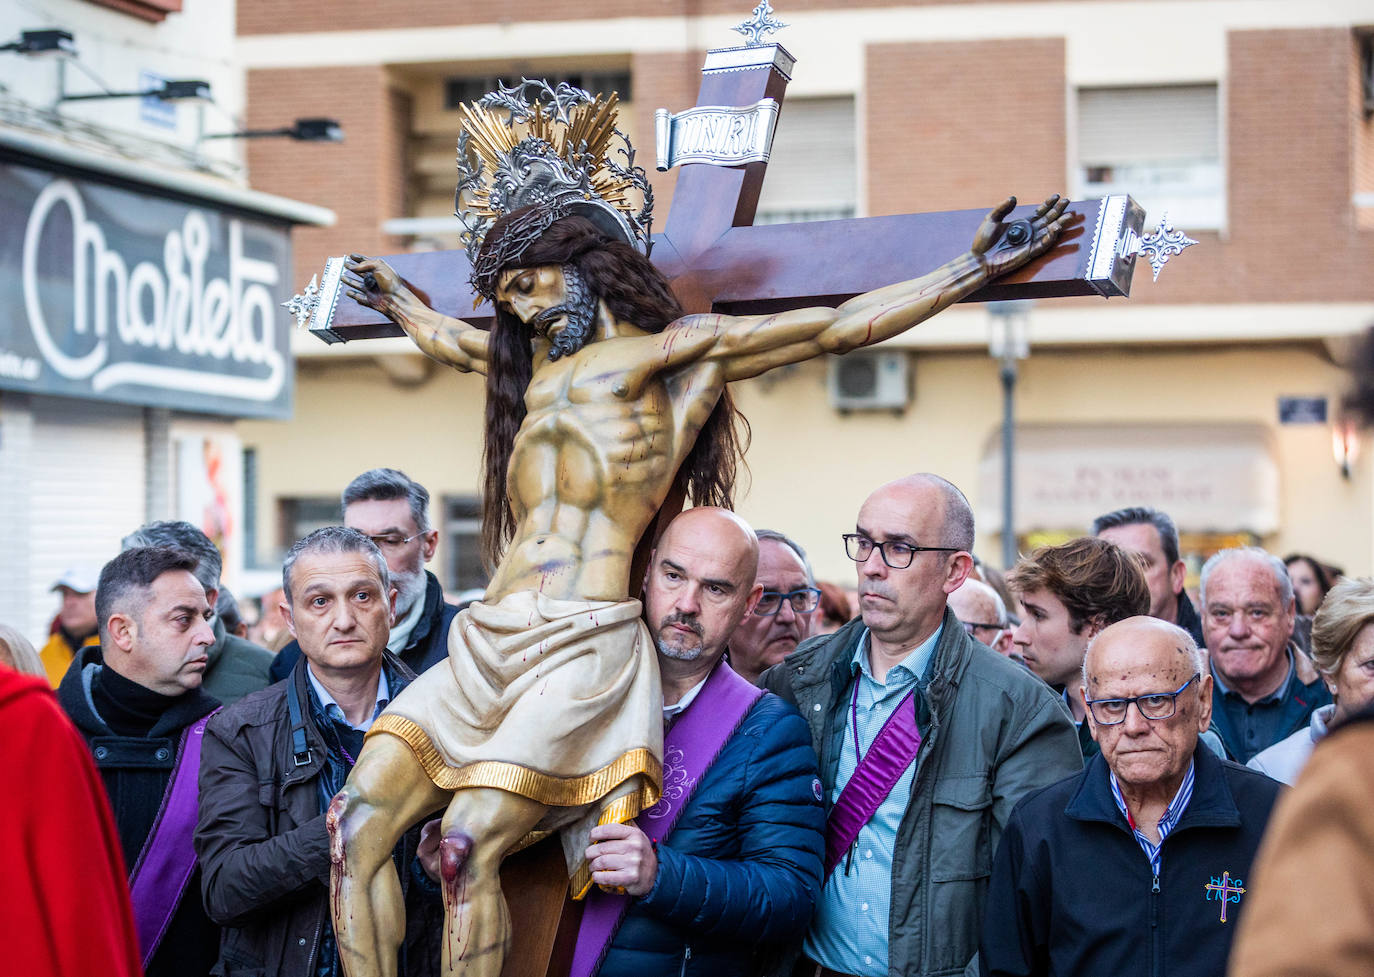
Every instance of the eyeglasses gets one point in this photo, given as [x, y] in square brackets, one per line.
[896, 554]
[803, 601]
[393, 542]
[972, 626]
[1156, 705]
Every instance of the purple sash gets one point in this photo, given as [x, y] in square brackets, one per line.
[891, 752]
[689, 749]
[168, 858]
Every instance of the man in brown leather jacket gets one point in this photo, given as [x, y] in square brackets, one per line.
[273, 761]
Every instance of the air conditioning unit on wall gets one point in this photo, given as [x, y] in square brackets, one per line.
[870, 380]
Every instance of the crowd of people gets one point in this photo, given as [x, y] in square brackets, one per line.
[1069, 770]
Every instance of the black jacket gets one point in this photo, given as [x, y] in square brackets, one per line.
[264, 848]
[1072, 893]
[136, 771]
[741, 871]
[1188, 619]
[1296, 705]
[428, 642]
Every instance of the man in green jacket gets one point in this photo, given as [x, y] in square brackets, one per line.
[938, 735]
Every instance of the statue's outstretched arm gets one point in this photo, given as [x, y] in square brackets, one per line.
[374, 283]
[748, 346]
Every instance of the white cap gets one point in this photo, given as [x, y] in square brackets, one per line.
[80, 579]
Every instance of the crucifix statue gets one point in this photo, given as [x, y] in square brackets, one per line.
[607, 403]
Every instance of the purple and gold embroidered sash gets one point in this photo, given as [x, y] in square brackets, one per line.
[888, 757]
[689, 749]
[168, 859]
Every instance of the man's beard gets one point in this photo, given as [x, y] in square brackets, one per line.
[579, 310]
[410, 587]
[683, 654]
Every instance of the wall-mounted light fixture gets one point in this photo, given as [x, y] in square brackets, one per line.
[302, 130]
[42, 42]
[168, 91]
[1345, 445]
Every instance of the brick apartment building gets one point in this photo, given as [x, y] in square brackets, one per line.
[1213, 393]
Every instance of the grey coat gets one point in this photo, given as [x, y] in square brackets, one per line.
[996, 733]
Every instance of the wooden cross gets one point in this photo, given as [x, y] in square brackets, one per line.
[717, 261]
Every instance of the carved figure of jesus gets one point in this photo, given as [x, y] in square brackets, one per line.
[545, 717]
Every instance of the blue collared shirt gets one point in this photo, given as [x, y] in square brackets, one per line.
[850, 931]
[335, 712]
[1167, 821]
[1260, 724]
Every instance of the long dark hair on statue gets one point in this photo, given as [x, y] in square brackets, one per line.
[634, 291]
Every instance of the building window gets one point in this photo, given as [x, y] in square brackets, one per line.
[302, 516]
[1160, 144]
[463, 89]
[462, 532]
[812, 172]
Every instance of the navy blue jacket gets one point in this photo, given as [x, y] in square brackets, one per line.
[1296, 705]
[1073, 893]
[741, 871]
[428, 642]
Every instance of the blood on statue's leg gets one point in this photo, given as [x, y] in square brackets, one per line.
[387, 792]
[480, 826]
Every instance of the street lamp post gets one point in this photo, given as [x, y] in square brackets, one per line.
[1008, 341]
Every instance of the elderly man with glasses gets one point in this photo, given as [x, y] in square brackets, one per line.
[785, 615]
[1140, 864]
[927, 740]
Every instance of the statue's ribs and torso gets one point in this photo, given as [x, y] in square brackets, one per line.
[603, 438]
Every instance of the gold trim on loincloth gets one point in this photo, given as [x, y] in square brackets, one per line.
[622, 810]
[542, 787]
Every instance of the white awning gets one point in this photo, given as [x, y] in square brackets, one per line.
[1208, 477]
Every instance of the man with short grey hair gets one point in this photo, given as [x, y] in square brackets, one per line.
[785, 615]
[266, 855]
[236, 666]
[1248, 612]
[392, 509]
[1142, 861]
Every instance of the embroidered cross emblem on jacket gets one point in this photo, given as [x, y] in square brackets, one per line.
[1224, 890]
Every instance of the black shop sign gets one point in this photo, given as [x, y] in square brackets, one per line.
[111, 293]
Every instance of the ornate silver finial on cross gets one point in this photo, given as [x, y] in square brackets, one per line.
[758, 27]
[1157, 247]
[303, 304]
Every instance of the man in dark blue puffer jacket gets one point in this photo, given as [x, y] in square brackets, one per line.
[738, 872]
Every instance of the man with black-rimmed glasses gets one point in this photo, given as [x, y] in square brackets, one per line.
[1141, 863]
[927, 740]
[785, 615]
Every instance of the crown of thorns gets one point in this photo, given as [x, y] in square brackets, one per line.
[553, 150]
